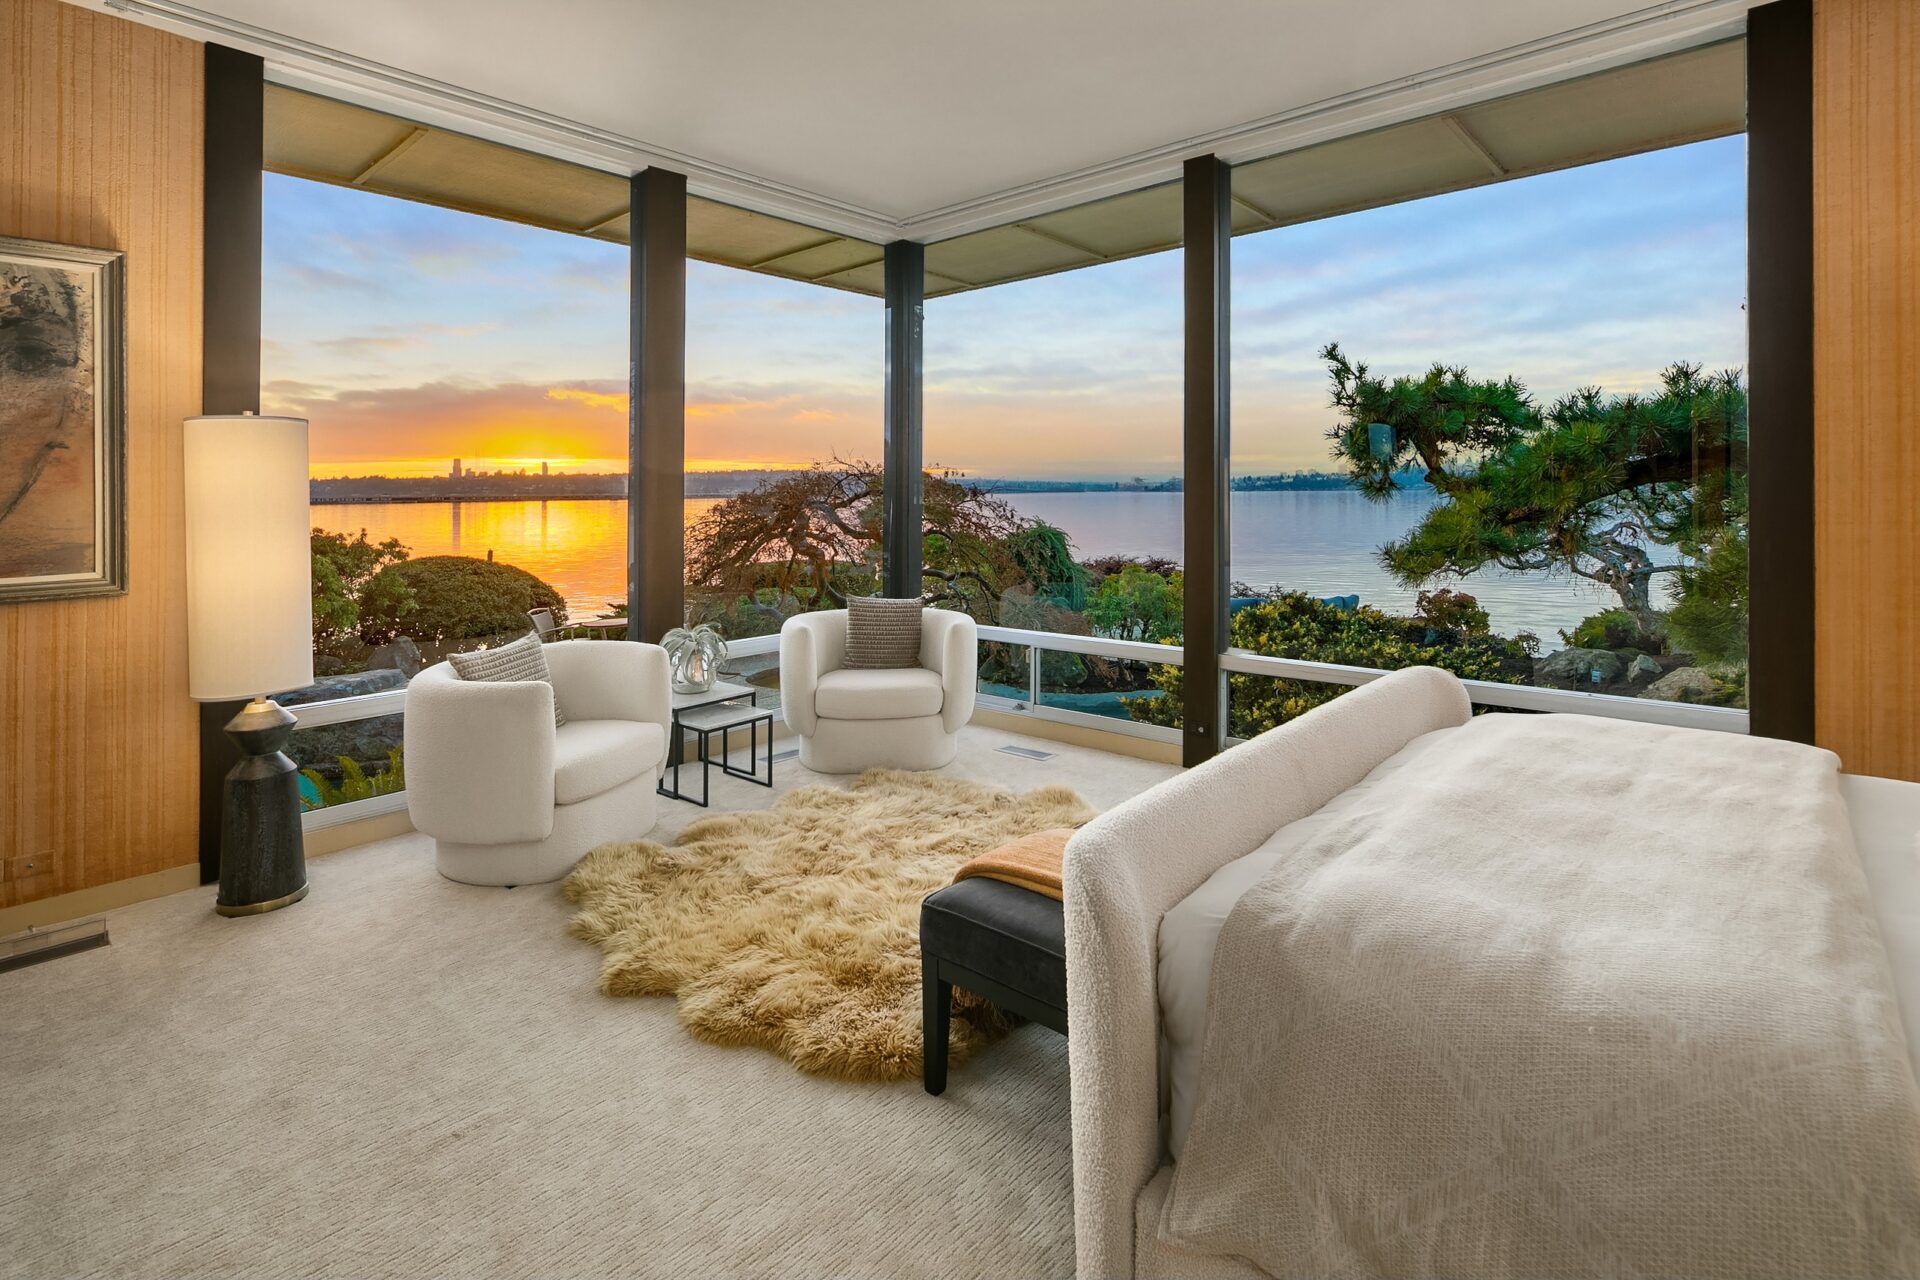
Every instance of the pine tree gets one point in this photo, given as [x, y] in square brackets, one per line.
[1593, 485]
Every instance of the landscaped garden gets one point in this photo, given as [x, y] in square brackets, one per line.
[1645, 495]
[379, 615]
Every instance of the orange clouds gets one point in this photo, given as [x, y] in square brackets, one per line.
[591, 398]
[419, 429]
[368, 427]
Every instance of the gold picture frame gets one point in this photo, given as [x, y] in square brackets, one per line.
[63, 429]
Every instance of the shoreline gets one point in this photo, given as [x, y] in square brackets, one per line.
[1320, 542]
[381, 500]
[602, 488]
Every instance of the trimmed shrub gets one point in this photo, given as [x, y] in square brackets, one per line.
[1290, 625]
[457, 598]
[1135, 604]
[1451, 610]
[1614, 629]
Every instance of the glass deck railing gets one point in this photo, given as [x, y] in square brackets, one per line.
[349, 749]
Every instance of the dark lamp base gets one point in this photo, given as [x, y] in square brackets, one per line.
[255, 908]
[263, 864]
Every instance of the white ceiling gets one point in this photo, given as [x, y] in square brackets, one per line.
[900, 110]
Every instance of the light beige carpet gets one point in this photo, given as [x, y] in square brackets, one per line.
[403, 1076]
[797, 929]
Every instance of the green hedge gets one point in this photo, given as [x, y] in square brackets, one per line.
[1298, 626]
[457, 598]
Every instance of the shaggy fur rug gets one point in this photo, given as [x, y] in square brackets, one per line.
[798, 928]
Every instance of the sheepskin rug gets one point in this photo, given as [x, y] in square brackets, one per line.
[797, 928]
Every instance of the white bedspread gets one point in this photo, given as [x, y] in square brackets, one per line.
[1127, 868]
[1885, 815]
[1616, 990]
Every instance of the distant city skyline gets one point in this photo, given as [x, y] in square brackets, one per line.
[410, 335]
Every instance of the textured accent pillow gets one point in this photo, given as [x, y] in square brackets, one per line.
[882, 634]
[523, 659]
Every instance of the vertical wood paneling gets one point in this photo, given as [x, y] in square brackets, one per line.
[1867, 382]
[100, 127]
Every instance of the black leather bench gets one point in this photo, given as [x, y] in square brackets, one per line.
[996, 940]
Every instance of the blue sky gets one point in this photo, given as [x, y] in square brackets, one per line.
[409, 334]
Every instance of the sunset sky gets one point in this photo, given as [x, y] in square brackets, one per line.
[409, 335]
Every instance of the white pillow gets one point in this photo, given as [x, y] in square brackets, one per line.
[523, 659]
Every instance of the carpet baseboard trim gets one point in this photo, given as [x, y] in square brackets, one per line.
[63, 907]
[1119, 744]
[348, 835]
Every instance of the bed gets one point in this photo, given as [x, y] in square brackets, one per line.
[1151, 885]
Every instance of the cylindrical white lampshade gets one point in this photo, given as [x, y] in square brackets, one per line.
[249, 557]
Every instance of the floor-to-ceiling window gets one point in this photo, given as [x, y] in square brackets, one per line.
[1053, 446]
[452, 317]
[783, 453]
[1500, 429]
[465, 383]
[1488, 412]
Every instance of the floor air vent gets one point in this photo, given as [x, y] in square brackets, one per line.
[788, 754]
[39, 945]
[1025, 753]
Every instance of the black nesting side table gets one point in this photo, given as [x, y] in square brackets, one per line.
[720, 710]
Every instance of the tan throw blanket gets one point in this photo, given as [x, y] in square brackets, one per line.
[1576, 997]
[1032, 862]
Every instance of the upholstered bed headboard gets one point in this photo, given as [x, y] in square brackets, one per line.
[1129, 866]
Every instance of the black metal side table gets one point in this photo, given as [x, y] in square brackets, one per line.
[718, 711]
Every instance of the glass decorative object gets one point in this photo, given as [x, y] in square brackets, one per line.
[697, 654]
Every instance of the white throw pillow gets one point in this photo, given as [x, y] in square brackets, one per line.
[882, 634]
[522, 659]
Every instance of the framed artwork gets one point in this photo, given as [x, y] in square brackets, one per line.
[63, 429]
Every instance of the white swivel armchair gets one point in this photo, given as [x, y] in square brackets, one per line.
[849, 720]
[509, 799]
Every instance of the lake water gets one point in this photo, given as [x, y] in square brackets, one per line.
[1320, 542]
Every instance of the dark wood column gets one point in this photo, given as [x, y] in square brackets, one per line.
[1780, 659]
[235, 144]
[1206, 230]
[657, 406]
[235, 106]
[905, 269]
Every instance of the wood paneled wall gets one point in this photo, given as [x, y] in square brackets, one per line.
[1867, 382]
[100, 144]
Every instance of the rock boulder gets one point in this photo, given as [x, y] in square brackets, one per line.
[1578, 668]
[1682, 684]
[401, 655]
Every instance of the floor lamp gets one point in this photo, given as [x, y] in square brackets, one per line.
[250, 634]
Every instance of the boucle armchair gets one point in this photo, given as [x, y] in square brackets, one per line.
[508, 798]
[849, 720]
